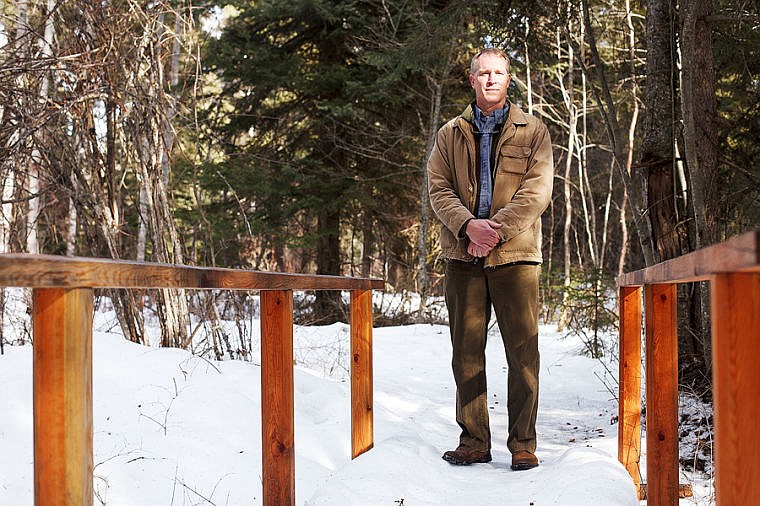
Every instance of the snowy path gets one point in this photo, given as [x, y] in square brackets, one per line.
[415, 424]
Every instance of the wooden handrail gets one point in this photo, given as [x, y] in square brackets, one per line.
[50, 271]
[738, 254]
[733, 270]
[62, 308]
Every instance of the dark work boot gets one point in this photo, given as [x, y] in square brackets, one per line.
[465, 456]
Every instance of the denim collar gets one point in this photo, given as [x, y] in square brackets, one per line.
[489, 124]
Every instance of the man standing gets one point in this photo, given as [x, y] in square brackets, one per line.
[490, 179]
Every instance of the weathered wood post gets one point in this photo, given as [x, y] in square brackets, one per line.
[63, 463]
[661, 393]
[361, 372]
[629, 414]
[735, 300]
[277, 396]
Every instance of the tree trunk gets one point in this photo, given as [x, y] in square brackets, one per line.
[33, 178]
[631, 138]
[433, 120]
[699, 118]
[368, 240]
[584, 185]
[71, 235]
[607, 208]
[328, 307]
[142, 231]
[528, 82]
[90, 191]
[571, 137]
[701, 151]
[657, 147]
[157, 142]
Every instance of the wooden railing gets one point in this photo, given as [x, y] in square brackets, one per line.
[62, 312]
[733, 270]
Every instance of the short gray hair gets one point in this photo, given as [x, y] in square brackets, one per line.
[487, 50]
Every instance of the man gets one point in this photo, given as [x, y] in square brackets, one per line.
[490, 179]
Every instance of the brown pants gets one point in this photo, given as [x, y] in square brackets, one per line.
[512, 289]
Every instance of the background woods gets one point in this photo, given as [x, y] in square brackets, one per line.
[293, 136]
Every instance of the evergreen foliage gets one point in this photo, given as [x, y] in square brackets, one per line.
[299, 129]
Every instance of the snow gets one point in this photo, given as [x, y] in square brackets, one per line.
[171, 428]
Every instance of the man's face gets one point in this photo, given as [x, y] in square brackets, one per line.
[490, 82]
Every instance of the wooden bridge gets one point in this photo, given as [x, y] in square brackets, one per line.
[62, 311]
[733, 271]
[63, 291]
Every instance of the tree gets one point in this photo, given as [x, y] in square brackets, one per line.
[90, 106]
[413, 44]
[658, 144]
[324, 126]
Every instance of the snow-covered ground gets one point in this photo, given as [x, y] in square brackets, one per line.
[171, 428]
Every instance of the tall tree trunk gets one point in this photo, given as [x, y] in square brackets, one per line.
[432, 128]
[701, 151]
[584, 184]
[33, 178]
[669, 231]
[700, 119]
[657, 147]
[528, 82]
[157, 142]
[571, 137]
[631, 137]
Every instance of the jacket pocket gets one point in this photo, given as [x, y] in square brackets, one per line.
[514, 159]
[513, 164]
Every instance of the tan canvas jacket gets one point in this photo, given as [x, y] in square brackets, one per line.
[524, 170]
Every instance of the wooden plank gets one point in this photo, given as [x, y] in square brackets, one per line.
[738, 254]
[661, 331]
[277, 396]
[50, 271]
[362, 433]
[63, 462]
[735, 302]
[629, 417]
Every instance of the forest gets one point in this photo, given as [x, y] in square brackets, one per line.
[293, 136]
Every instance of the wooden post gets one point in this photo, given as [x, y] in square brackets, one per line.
[661, 394]
[62, 322]
[629, 418]
[277, 411]
[735, 300]
[361, 372]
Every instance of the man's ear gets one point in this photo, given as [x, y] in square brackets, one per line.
[472, 81]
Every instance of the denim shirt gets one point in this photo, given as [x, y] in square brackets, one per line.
[486, 128]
